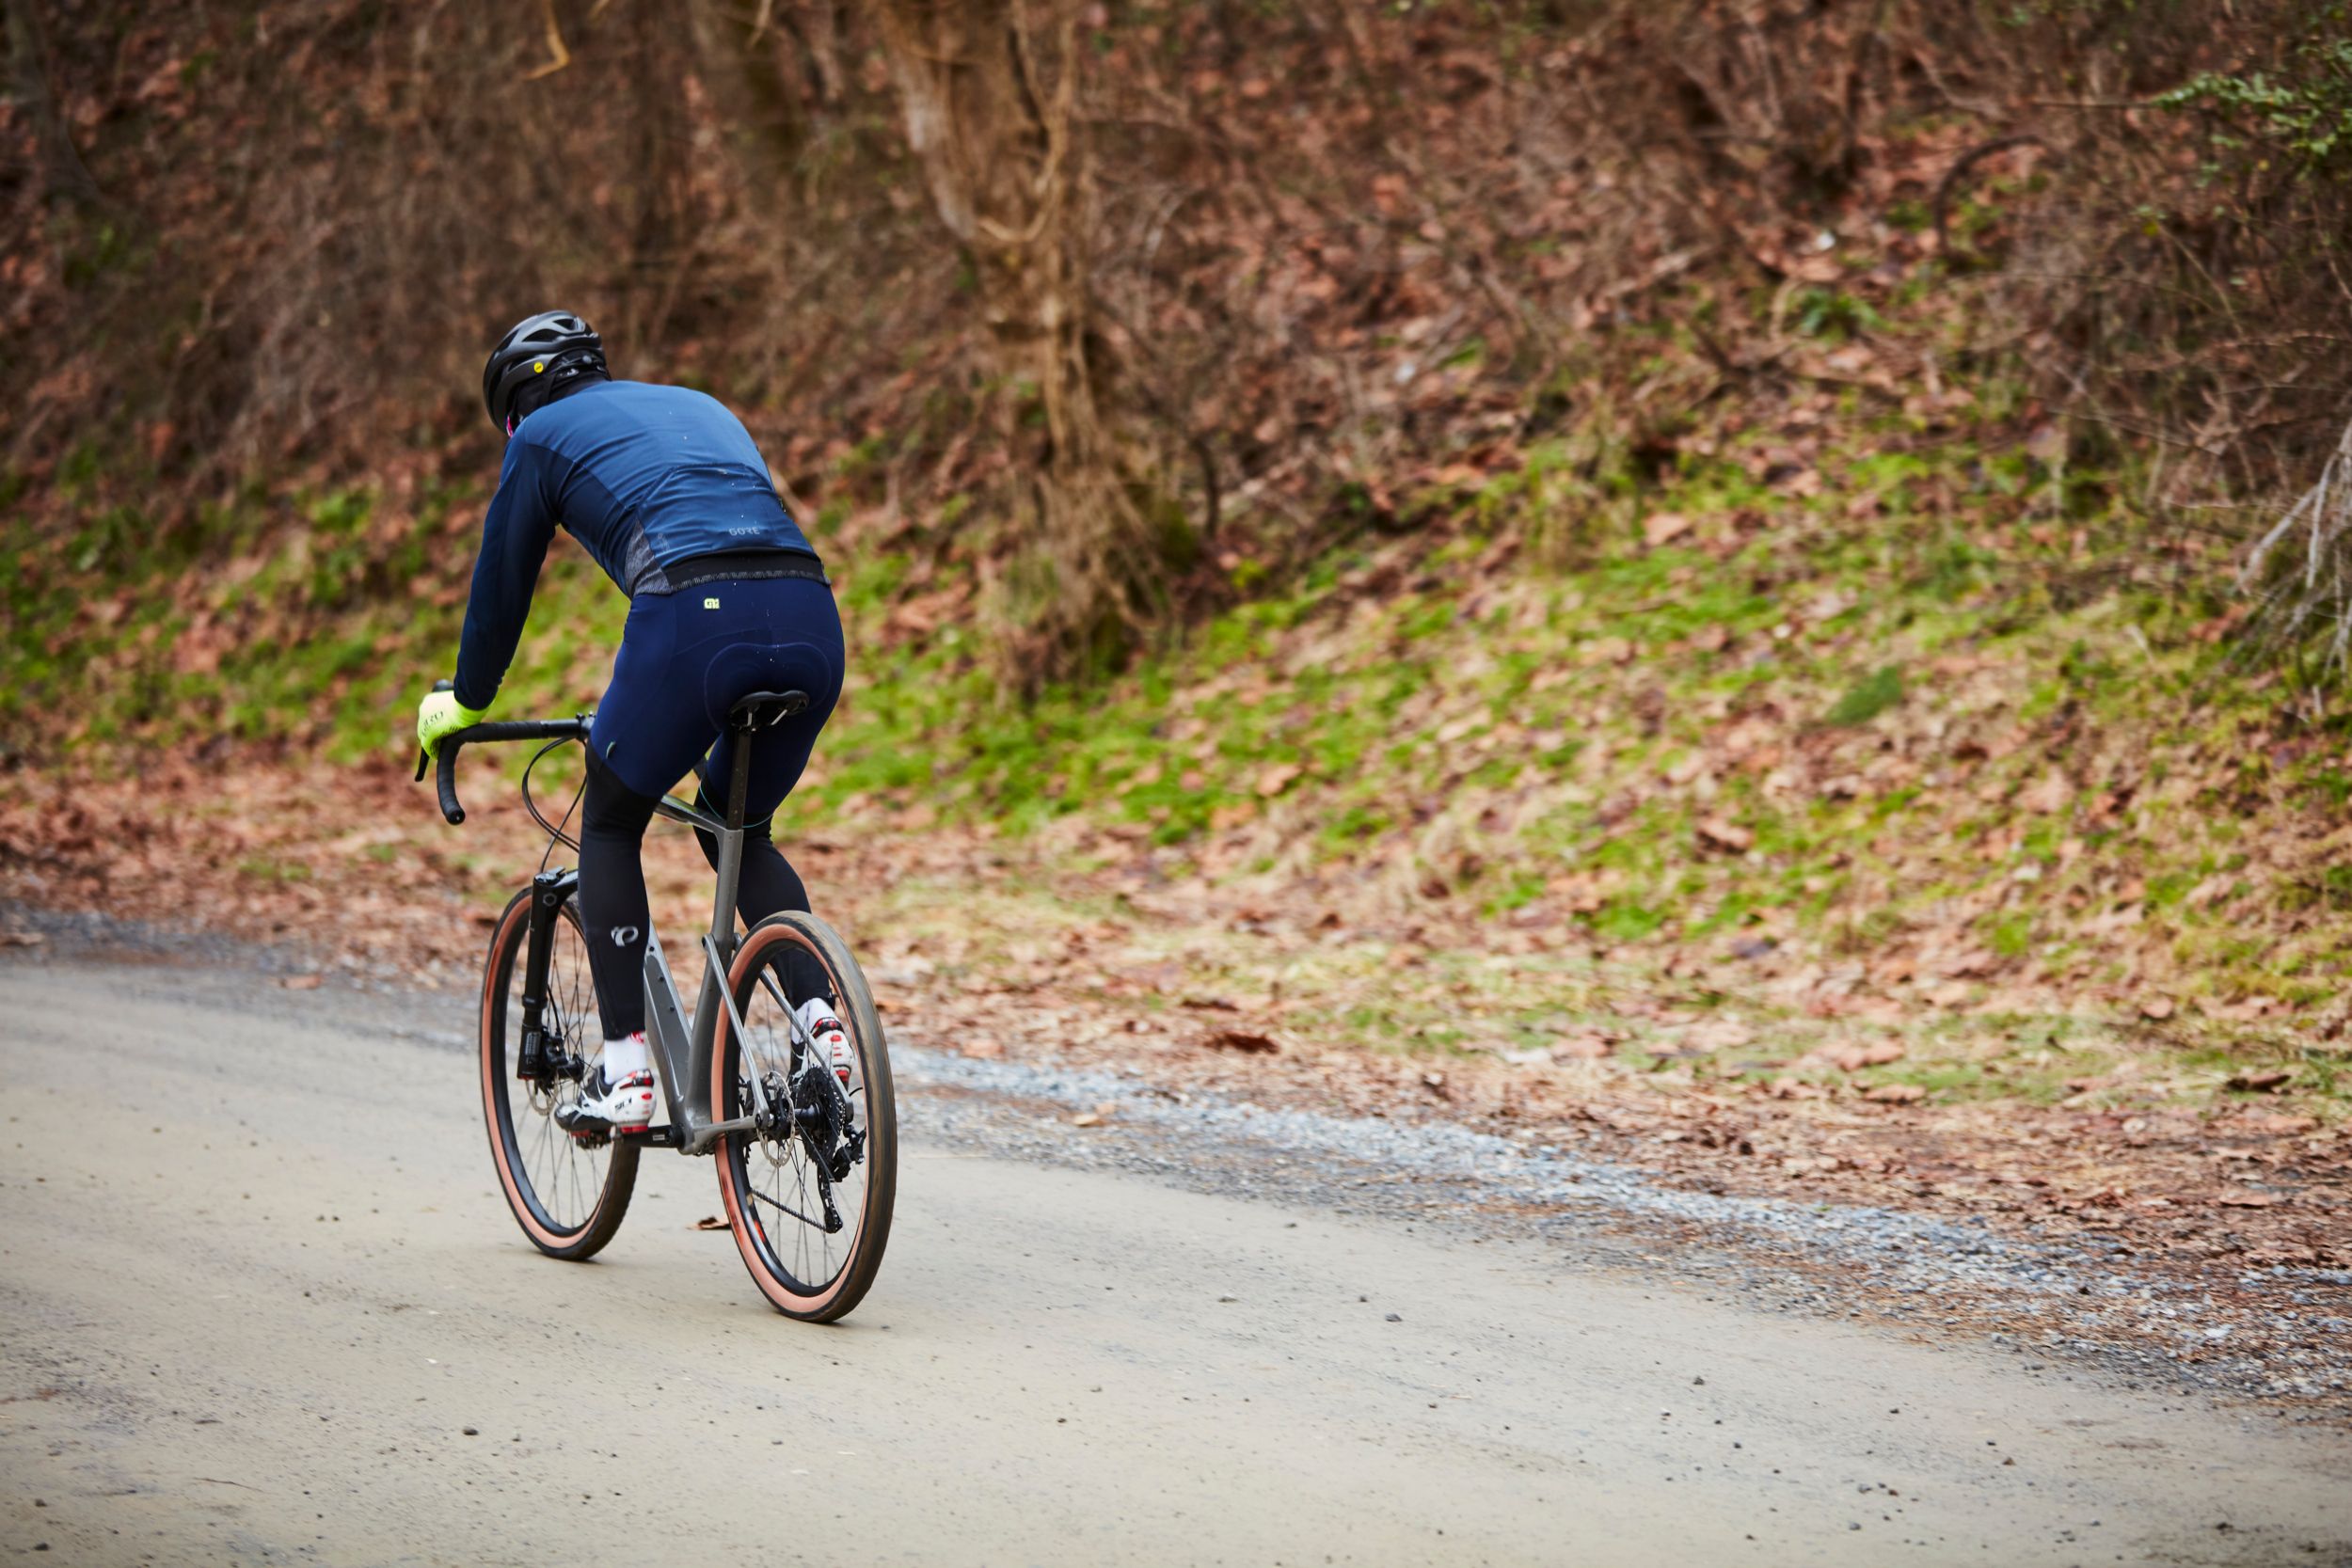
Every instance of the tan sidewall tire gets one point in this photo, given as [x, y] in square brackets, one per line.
[514, 928]
[850, 1286]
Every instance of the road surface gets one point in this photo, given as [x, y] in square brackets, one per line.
[263, 1305]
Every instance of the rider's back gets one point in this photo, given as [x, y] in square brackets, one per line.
[647, 476]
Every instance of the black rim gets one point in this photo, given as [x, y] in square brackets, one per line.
[776, 1178]
[560, 1180]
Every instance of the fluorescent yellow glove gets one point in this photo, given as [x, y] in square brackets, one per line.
[439, 713]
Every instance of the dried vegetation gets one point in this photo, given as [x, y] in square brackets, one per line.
[1613, 550]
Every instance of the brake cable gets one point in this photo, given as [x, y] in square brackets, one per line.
[555, 830]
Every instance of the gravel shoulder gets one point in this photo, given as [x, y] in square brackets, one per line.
[251, 1317]
[2065, 1304]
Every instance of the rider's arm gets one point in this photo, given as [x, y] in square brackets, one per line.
[515, 537]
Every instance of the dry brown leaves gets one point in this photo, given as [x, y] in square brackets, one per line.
[984, 974]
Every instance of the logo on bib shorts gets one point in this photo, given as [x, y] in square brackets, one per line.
[710, 604]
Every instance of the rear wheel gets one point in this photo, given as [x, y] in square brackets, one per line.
[810, 1194]
[569, 1196]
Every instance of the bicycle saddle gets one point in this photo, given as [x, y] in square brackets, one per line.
[764, 710]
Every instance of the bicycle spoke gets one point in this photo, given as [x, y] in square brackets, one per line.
[566, 1179]
[779, 1180]
[794, 1212]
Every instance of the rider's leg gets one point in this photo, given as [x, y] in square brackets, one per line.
[805, 655]
[613, 906]
[685, 659]
[768, 883]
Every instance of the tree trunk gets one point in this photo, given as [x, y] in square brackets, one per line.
[988, 89]
[62, 171]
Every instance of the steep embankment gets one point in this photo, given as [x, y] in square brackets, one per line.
[1648, 642]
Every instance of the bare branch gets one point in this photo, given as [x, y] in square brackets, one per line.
[2321, 592]
[559, 56]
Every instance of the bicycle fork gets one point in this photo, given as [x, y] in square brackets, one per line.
[537, 1062]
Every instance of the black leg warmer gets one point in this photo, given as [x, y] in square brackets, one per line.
[613, 820]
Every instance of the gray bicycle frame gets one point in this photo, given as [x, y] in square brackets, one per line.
[686, 1047]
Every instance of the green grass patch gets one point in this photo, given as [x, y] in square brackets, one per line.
[1868, 697]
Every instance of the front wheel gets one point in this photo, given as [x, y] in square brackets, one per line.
[808, 1194]
[569, 1195]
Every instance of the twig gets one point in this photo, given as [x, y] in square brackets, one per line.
[2323, 594]
[1967, 161]
[559, 56]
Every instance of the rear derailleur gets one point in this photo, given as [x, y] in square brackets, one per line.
[815, 1108]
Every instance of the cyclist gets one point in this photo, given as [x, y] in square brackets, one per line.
[666, 490]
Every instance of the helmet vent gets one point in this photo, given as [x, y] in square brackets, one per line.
[551, 349]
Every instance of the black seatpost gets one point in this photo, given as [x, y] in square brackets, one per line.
[740, 783]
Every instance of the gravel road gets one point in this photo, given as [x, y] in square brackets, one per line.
[262, 1304]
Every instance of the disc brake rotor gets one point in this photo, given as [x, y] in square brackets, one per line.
[775, 1139]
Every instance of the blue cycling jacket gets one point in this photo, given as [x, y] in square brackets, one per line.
[645, 476]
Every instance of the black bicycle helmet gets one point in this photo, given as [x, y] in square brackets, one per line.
[537, 355]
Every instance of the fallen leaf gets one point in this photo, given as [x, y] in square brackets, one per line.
[1231, 815]
[1579, 1048]
[2249, 1200]
[708, 1222]
[1239, 1040]
[302, 982]
[1896, 1094]
[1726, 835]
[1085, 1118]
[1852, 1058]
[1686, 768]
[1610, 650]
[2048, 797]
[1660, 526]
[1720, 1034]
[1278, 778]
[2264, 1081]
[2157, 1009]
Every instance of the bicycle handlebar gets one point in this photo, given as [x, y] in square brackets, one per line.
[445, 774]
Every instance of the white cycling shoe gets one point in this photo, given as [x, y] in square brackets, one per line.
[604, 1106]
[816, 1020]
